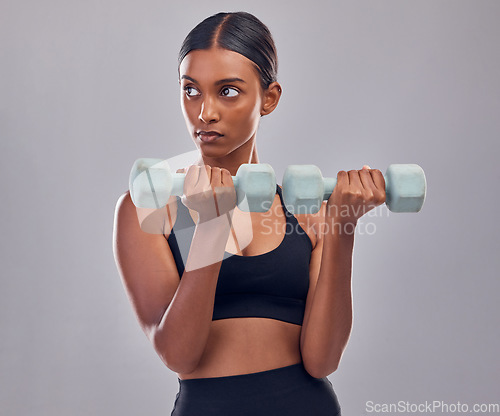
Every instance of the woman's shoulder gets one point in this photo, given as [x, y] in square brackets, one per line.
[150, 220]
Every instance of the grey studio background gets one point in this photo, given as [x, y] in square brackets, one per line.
[87, 87]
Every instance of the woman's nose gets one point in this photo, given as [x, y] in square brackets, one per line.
[209, 113]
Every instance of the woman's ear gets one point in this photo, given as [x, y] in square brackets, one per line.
[270, 98]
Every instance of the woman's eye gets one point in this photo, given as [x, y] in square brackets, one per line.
[189, 90]
[226, 94]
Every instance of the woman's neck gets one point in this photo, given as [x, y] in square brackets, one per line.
[247, 153]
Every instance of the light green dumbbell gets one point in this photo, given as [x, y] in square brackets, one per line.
[304, 188]
[151, 184]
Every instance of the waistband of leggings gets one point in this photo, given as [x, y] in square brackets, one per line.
[260, 381]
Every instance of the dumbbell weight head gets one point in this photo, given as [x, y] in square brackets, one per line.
[150, 183]
[255, 187]
[303, 189]
[406, 187]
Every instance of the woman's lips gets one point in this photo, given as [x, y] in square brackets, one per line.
[209, 136]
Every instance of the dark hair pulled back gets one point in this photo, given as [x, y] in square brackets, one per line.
[239, 32]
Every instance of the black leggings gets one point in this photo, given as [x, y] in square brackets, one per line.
[289, 390]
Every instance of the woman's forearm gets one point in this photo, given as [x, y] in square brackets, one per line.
[183, 331]
[327, 329]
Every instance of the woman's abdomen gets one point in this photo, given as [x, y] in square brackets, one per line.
[246, 345]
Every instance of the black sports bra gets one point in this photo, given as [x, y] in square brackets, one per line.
[271, 285]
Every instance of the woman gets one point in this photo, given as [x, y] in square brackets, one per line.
[251, 310]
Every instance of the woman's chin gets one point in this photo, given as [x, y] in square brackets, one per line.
[211, 151]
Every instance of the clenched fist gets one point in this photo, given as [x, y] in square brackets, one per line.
[209, 191]
[356, 193]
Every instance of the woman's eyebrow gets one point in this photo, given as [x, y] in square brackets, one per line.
[221, 81]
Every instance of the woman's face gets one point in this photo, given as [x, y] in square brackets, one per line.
[221, 93]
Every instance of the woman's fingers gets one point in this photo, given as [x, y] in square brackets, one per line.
[226, 178]
[355, 181]
[359, 190]
[191, 178]
[374, 180]
[209, 191]
[216, 178]
[378, 179]
[367, 181]
[205, 176]
[342, 177]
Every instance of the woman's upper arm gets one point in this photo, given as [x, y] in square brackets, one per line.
[144, 260]
[316, 257]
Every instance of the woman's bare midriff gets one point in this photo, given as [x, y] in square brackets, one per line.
[248, 345]
[251, 344]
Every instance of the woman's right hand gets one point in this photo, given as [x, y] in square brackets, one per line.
[209, 191]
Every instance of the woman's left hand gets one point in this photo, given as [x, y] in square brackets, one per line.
[356, 193]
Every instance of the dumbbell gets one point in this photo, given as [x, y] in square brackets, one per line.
[304, 188]
[151, 184]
